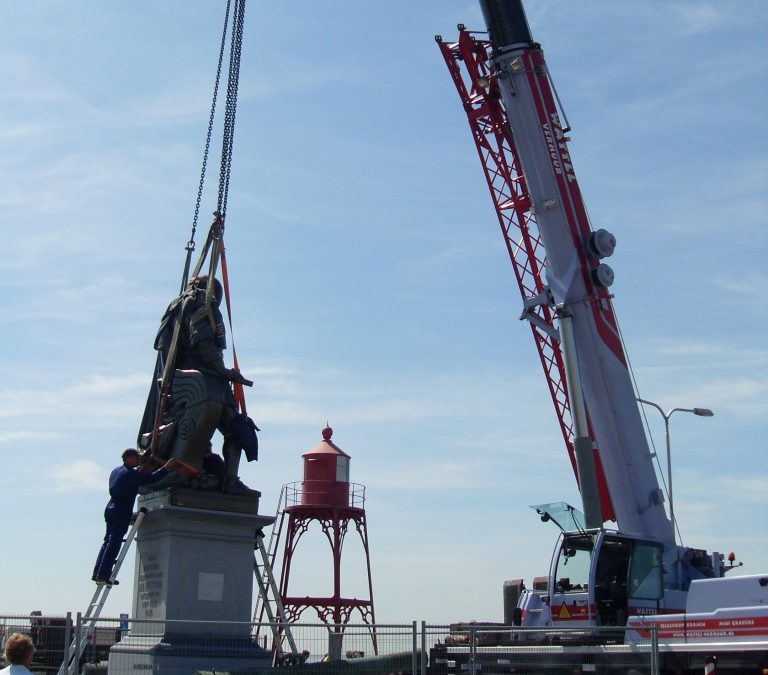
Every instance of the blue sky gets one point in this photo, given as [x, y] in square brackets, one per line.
[370, 282]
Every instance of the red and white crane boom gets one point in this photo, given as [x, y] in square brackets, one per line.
[512, 107]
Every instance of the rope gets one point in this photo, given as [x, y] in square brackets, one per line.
[237, 388]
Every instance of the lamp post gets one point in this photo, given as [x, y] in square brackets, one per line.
[701, 412]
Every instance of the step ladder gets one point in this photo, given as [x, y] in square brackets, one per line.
[70, 665]
[272, 604]
[259, 610]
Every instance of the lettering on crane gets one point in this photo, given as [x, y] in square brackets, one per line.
[558, 151]
[552, 149]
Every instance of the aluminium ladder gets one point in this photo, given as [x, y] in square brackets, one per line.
[265, 579]
[274, 540]
[72, 656]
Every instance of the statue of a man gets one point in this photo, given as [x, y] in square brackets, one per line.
[201, 398]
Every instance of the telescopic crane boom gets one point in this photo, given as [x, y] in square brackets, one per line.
[578, 282]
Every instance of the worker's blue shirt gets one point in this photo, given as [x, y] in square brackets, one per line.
[124, 484]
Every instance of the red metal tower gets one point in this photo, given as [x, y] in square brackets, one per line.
[327, 497]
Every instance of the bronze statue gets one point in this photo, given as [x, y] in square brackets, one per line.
[193, 395]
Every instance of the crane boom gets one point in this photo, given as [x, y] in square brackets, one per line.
[577, 279]
[468, 61]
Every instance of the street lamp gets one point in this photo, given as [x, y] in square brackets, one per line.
[701, 412]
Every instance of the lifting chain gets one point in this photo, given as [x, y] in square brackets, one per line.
[228, 136]
[231, 107]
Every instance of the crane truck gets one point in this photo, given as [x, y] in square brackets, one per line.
[618, 563]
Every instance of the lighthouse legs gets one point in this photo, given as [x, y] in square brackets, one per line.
[335, 610]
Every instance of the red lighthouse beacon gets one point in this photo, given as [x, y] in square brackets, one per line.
[327, 497]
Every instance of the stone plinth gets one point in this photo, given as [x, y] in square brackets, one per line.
[193, 584]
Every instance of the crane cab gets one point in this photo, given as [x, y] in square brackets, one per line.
[600, 577]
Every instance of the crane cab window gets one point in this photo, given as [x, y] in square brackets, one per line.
[645, 573]
[573, 563]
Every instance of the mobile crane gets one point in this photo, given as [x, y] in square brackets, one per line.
[634, 573]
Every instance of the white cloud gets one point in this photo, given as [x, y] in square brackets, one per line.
[754, 284]
[78, 476]
[14, 436]
[750, 488]
[699, 17]
[436, 475]
[96, 397]
[725, 373]
[742, 397]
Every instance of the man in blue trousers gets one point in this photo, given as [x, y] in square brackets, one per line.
[124, 484]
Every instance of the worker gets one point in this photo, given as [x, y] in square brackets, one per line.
[124, 483]
[201, 341]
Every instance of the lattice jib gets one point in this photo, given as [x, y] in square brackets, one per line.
[508, 190]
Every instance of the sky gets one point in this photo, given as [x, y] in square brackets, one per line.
[371, 286]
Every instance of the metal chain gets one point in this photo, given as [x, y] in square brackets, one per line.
[231, 108]
[190, 247]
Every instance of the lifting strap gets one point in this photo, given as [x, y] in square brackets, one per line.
[237, 387]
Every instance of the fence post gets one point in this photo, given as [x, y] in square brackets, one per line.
[655, 649]
[335, 641]
[68, 639]
[472, 645]
[78, 640]
[413, 647]
[423, 648]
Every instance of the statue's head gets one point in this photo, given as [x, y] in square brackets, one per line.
[201, 283]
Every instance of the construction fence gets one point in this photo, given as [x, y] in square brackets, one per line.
[73, 645]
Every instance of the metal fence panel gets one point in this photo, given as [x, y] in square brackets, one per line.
[119, 646]
[496, 650]
[48, 633]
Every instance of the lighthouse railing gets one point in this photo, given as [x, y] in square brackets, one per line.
[316, 492]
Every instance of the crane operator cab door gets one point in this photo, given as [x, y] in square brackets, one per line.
[603, 577]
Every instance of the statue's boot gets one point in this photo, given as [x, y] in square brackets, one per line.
[234, 485]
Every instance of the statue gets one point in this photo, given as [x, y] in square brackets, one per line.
[198, 400]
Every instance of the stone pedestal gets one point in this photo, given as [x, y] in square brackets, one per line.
[193, 585]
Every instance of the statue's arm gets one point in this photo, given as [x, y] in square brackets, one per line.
[211, 358]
